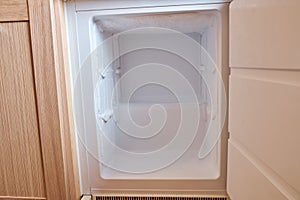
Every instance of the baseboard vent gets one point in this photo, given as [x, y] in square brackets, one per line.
[159, 197]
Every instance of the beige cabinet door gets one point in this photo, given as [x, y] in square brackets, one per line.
[37, 149]
[264, 100]
[21, 168]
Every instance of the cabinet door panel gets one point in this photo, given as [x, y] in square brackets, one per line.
[13, 10]
[264, 100]
[248, 182]
[21, 167]
[266, 113]
[264, 119]
[265, 34]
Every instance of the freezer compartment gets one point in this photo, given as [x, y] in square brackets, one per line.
[127, 144]
[106, 54]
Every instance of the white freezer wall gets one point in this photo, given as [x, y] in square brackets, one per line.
[88, 5]
[204, 27]
[210, 185]
[264, 109]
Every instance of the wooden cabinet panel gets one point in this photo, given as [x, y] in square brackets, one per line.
[21, 170]
[37, 156]
[13, 10]
[49, 63]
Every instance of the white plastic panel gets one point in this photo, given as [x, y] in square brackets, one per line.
[84, 5]
[264, 115]
[249, 182]
[264, 98]
[265, 34]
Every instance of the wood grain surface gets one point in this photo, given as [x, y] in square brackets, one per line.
[21, 170]
[13, 10]
[46, 23]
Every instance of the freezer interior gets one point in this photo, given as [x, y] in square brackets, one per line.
[116, 66]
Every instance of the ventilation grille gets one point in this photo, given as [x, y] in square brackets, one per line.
[159, 197]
